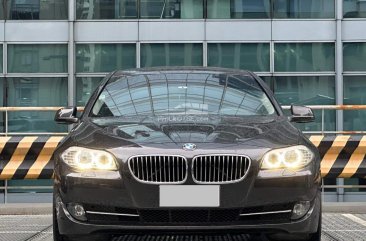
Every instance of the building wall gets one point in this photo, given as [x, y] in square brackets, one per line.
[56, 51]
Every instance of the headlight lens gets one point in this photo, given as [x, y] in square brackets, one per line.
[289, 158]
[88, 159]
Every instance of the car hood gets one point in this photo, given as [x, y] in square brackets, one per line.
[173, 132]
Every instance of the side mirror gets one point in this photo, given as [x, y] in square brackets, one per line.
[301, 114]
[66, 115]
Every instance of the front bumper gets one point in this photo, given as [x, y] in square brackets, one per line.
[308, 224]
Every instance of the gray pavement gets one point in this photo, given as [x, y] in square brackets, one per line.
[336, 226]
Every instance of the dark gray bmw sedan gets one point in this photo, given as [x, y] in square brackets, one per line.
[185, 150]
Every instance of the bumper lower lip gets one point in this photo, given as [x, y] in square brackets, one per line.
[68, 225]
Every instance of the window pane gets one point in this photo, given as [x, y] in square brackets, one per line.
[238, 9]
[1, 58]
[31, 92]
[354, 56]
[85, 86]
[171, 9]
[303, 57]
[253, 57]
[354, 94]
[354, 9]
[2, 94]
[37, 58]
[36, 9]
[304, 8]
[104, 57]
[101, 9]
[308, 90]
[1, 13]
[171, 55]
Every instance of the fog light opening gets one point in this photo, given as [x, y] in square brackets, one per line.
[300, 209]
[77, 211]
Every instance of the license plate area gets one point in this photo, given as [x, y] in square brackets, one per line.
[189, 195]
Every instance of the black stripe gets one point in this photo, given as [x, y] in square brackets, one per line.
[8, 151]
[344, 156]
[30, 158]
[47, 171]
[325, 145]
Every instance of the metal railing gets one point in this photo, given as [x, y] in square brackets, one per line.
[323, 108]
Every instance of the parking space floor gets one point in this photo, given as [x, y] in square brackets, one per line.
[336, 227]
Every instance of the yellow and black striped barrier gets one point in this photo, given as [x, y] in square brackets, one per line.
[27, 157]
[30, 157]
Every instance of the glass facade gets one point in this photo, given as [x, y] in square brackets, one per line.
[253, 56]
[227, 9]
[354, 55]
[304, 57]
[303, 8]
[28, 92]
[354, 9]
[354, 94]
[37, 9]
[176, 54]
[171, 9]
[37, 58]
[100, 9]
[104, 57]
[85, 86]
[308, 90]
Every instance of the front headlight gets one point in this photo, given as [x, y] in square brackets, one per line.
[294, 157]
[88, 159]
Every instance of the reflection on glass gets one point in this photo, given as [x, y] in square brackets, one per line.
[250, 56]
[2, 93]
[354, 55]
[174, 54]
[183, 94]
[354, 9]
[85, 86]
[27, 92]
[304, 8]
[101, 9]
[37, 58]
[354, 94]
[308, 90]
[304, 57]
[227, 9]
[192, 9]
[104, 57]
[36, 9]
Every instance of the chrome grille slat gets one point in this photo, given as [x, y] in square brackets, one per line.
[220, 168]
[157, 169]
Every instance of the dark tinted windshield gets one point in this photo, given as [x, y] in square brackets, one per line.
[182, 93]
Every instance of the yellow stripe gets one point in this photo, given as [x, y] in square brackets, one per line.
[3, 141]
[316, 140]
[18, 157]
[356, 159]
[331, 156]
[43, 158]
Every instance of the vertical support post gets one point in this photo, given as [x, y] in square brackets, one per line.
[71, 59]
[71, 56]
[6, 123]
[323, 122]
[6, 192]
[339, 82]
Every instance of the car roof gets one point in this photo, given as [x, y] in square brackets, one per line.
[181, 69]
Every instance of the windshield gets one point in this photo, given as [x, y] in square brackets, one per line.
[159, 94]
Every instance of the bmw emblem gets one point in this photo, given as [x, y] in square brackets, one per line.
[189, 147]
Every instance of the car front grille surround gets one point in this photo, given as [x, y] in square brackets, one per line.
[205, 169]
